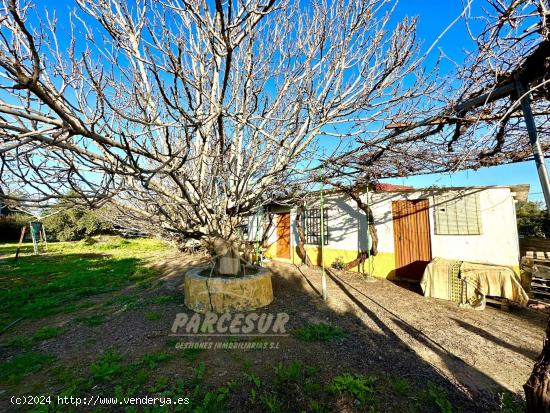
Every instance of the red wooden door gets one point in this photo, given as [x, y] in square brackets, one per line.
[411, 235]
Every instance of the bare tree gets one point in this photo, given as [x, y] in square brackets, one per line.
[185, 114]
[474, 119]
[477, 120]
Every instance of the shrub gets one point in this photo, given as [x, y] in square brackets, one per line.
[75, 224]
[338, 264]
[10, 226]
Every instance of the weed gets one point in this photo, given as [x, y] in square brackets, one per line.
[131, 380]
[171, 343]
[63, 374]
[254, 379]
[22, 364]
[436, 396]
[359, 386]
[160, 384]
[19, 342]
[510, 403]
[165, 299]
[106, 366]
[285, 373]
[271, 403]
[323, 332]
[191, 354]
[315, 407]
[153, 359]
[213, 401]
[46, 333]
[128, 301]
[41, 334]
[400, 386]
[152, 316]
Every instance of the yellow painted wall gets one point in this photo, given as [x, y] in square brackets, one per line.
[383, 264]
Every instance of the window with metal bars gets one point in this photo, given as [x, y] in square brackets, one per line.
[312, 226]
[457, 214]
[242, 228]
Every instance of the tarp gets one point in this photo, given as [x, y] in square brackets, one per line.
[469, 283]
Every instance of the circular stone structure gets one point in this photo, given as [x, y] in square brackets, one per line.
[227, 294]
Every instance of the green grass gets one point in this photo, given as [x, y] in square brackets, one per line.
[41, 334]
[191, 354]
[63, 279]
[323, 332]
[92, 321]
[152, 316]
[15, 368]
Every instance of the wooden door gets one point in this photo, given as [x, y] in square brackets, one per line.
[283, 235]
[411, 234]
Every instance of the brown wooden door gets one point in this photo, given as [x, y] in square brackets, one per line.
[283, 235]
[411, 234]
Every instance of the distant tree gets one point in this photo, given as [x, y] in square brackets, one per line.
[75, 223]
[66, 222]
[532, 220]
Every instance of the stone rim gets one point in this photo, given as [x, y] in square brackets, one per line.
[195, 273]
[203, 293]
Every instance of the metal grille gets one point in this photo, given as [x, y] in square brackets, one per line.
[457, 214]
[312, 226]
[243, 228]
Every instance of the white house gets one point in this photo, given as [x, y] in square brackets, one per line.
[413, 226]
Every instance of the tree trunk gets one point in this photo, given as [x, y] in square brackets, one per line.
[226, 256]
[537, 388]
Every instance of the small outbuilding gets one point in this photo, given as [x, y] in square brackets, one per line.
[408, 228]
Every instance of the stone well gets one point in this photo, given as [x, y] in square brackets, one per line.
[222, 295]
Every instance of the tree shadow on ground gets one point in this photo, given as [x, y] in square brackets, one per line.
[373, 345]
[498, 341]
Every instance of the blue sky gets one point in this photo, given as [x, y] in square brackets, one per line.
[434, 17]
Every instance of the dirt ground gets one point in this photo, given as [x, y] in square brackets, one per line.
[480, 351]
[391, 331]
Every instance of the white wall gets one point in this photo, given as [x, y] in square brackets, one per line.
[498, 243]
[345, 221]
